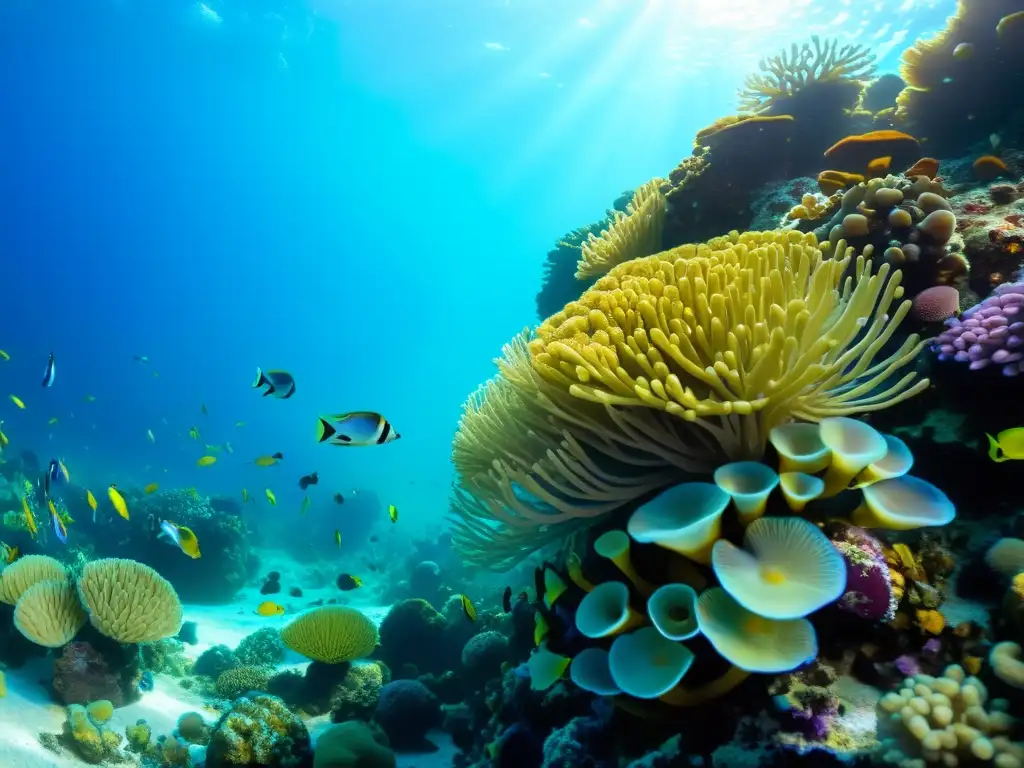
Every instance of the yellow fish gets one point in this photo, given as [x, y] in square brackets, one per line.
[393, 513]
[183, 537]
[468, 608]
[30, 519]
[4, 356]
[271, 497]
[193, 433]
[268, 461]
[540, 628]
[53, 420]
[4, 442]
[8, 554]
[1009, 441]
[17, 401]
[118, 501]
[269, 608]
[337, 539]
[64, 470]
[151, 488]
[91, 500]
[305, 505]
[206, 461]
[245, 495]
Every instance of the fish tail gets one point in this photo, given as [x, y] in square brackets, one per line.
[260, 378]
[324, 430]
[993, 449]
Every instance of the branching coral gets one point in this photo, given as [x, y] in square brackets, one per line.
[672, 364]
[788, 72]
[631, 235]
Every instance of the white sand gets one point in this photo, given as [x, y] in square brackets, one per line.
[27, 709]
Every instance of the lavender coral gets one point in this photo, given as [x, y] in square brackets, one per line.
[989, 333]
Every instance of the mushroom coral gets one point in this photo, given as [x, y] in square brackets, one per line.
[671, 365]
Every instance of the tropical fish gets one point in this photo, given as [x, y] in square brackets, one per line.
[118, 501]
[151, 488]
[181, 537]
[268, 461]
[53, 420]
[506, 600]
[1009, 441]
[239, 423]
[347, 582]
[355, 429]
[271, 497]
[205, 412]
[8, 554]
[550, 586]
[89, 398]
[17, 401]
[141, 358]
[206, 461]
[228, 448]
[91, 501]
[540, 628]
[149, 436]
[468, 608]
[58, 524]
[4, 442]
[280, 384]
[269, 608]
[245, 495]
[194, 432]
[337, 539]
[305, 505]
[307, 480]
[4, 356]
[393, 513]
[338, 498]
[51, 372]
[63, 470]
[30, 519]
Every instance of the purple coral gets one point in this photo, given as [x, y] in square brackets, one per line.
[869, 593]
[991, 332]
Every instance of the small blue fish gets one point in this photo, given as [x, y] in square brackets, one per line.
[146, 683]
[51, 373]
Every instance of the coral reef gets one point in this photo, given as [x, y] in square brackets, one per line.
[258, 731]
[405, 711]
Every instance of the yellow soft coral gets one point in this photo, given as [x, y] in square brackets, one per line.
[128, 601]
[24, 573]
[331, 634]
[757, 325]
[630, 235]
[49, 613]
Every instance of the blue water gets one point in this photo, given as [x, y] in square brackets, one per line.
[360, 193]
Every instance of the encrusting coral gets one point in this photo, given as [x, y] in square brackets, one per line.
[670, 365]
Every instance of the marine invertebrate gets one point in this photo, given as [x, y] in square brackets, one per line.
[936, 304]
[854, 154]
[258, 731]
[85, 734]
[936, 716]
[236, 682]
[129, 601]
[352, 745]
[1007, 664]
[671, 364]
[261, 648]
[25, 572]
[802, 67]
[49, 614]
[630, 235]
[331, 634]
[989, 333]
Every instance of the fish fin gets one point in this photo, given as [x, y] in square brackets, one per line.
[270, 390]
[260, 378]
[325, 431]
[993, 449]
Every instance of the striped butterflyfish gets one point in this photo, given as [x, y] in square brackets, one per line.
[355, 429]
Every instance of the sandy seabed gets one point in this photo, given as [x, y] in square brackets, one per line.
[27, 710]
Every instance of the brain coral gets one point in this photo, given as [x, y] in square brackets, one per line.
[128, 601]
[49, 613]
[23, 573]
[258, 731]
[236, 682]
[331, 634]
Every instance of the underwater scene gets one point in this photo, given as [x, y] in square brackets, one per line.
[514, 383]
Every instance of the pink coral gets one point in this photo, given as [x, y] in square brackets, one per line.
[935, 304]
[991, 332]
[869, 592]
